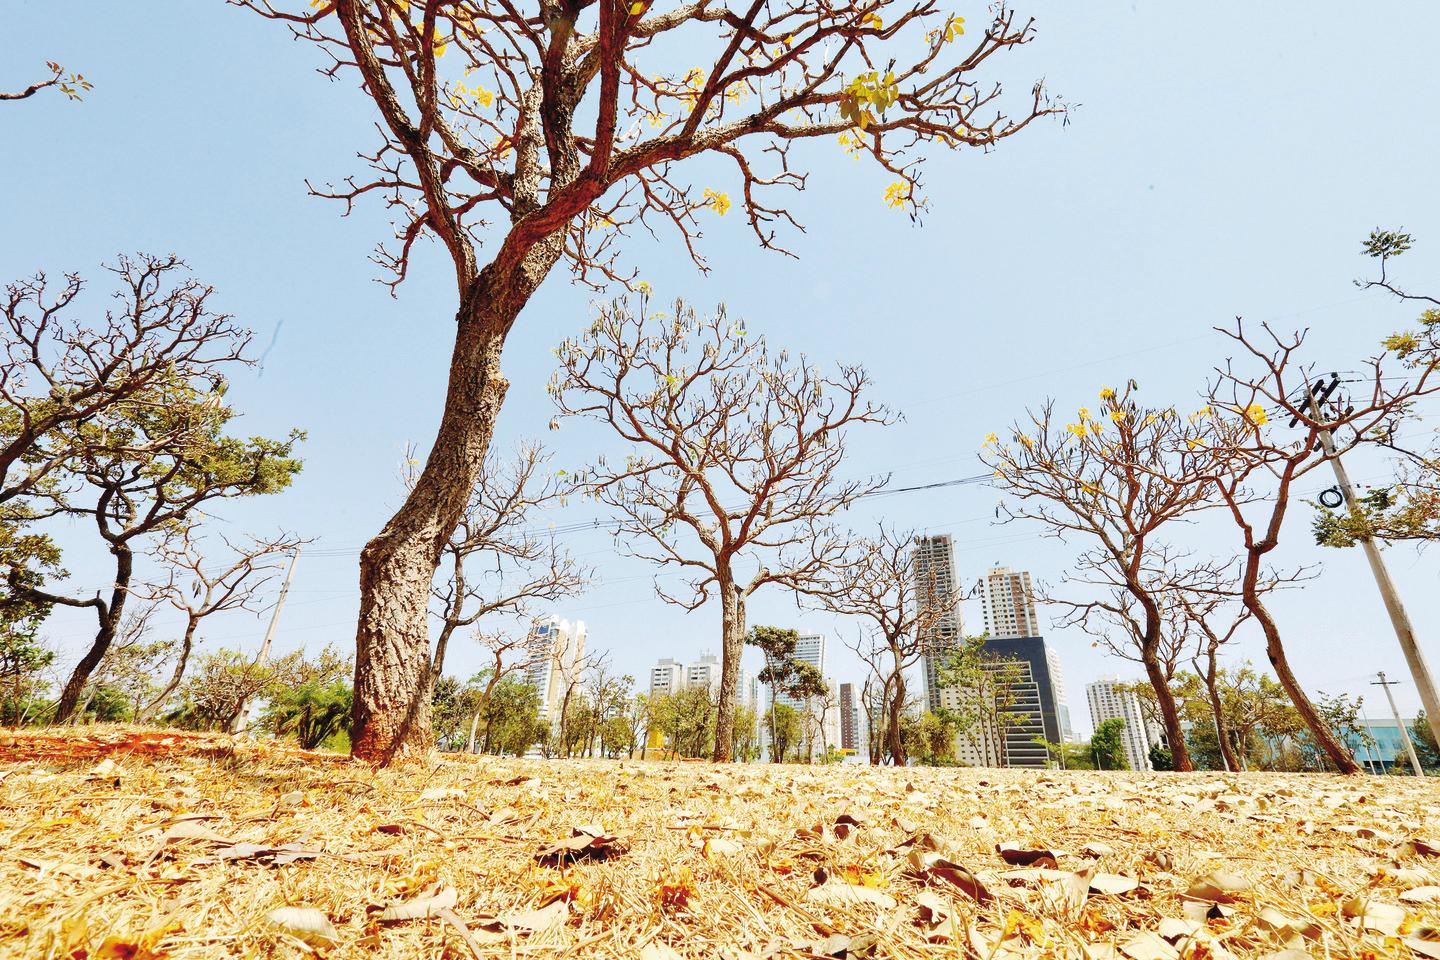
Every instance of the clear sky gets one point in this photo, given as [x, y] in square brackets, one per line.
[1224, 159]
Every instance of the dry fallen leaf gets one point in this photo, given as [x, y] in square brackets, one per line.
[928, 865]
[841, 894]
[585, 843]
[304, 923]
[1219, 886]
[1374, 915]
[428, 906]
[1112, 884]
[1420, 894]
[1016, 855]
[1147, 945]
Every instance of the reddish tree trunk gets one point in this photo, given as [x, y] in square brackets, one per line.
[1275, 650]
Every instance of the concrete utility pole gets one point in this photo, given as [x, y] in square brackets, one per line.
[242, 719]
[1399, 618]
[1404, 734]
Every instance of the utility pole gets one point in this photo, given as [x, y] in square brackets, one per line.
[242, 719]
[1399, 618]
[1404, 734]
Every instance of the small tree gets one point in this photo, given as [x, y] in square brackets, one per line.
[1254, 454]
[1423, 737]
[552, 133]
[58, 372]
[877, 583]
[784, 723]
[203, 579]
[503, 649]
[982, 709]
[1115, 479]
[313, 712]
[782, 673]
[1108, 745]
[517, 567]
[733, 472]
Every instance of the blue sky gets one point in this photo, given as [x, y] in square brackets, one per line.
[1222, 160]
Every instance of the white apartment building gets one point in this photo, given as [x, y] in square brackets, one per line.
[935, 585]
[556, 648]
[1108, 702]
[704, 672]
[667, 677]
[1008, 604]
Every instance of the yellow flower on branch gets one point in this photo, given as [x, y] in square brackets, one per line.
[719, 202]
[1107, 393]
[873, 20]
[1118, 415]
[1256, 414]
[1078, 429]
[897, 194]
[991, 439]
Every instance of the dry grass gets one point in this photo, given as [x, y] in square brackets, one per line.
[100, 860]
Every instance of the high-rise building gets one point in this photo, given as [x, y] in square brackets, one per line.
[849, 718]
[1057, 679]
[936, 587]
[667, 677]
[1008, 604]
[555, 648]
[810, 648]
[1109, 702]
[704, 672]
[1032, 711]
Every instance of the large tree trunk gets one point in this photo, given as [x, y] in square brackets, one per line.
[393, 676]
[732, 629]
[1169, 712]
[1275, 650]
[1160, 681]
[109, 616]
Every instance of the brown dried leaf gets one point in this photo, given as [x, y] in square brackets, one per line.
[1016, 855]
[933, 866]
[586, 842]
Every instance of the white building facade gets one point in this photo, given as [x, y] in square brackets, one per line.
[555, 648]
[1109, 702]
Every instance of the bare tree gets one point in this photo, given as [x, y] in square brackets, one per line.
[1254, 454]
[1115, 479]
[501, 646]
[59, 373]
[734, 447]
[878, 582]
[553, 133]
[518, 565]
[1212, 607]
[202, 580]
[73, 86]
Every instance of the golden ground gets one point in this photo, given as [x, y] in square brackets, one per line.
[122, 844]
